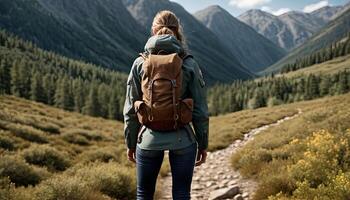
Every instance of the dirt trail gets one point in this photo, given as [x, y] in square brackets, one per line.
[217, 172]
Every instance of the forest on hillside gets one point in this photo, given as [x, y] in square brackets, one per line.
[335, 50]
[32, 73]
[27, 71]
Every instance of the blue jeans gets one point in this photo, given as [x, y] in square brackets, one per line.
[148, 163]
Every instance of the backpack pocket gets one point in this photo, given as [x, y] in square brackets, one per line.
[142, 112]
[186, 109]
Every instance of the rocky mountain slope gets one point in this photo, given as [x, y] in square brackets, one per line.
[98, 31]
[291, 29]
[255, 51]
[215, 58]
[334, 31]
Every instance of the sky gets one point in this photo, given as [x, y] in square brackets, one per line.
[276, 7]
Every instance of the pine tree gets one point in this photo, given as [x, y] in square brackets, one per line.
[36, 90]
[79, 95]
[63, 97]
[92, 106]
[16, 85]
[5, 78]
[49, 89]
[343, 83]
[325, 85]
[103, 99]
[113, 106]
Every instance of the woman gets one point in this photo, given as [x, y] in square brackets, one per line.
[146, 146]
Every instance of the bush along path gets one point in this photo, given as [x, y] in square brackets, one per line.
[215, 179]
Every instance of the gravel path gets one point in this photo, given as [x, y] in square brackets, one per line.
[217, 172]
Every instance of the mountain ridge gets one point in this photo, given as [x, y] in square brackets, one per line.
[214, 58]
[254, 50]
[290, 29]
[334, 31]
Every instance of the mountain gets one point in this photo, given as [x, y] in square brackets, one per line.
[291, 29]
[254, 50]
[216, 60]
[327, 13]
[287, 31]
[334, 31]
[98, 31]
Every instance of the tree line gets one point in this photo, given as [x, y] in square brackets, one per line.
[336, 49]
[27, 71]
[270, 91]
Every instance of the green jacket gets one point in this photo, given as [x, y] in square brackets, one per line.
[193, 86]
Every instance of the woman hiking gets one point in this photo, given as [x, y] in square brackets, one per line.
[165, 92]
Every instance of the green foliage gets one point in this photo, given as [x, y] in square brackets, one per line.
[63, 188]
[6, 142]
[331, 52]
[101, 154]
[20, 172]
[8, 191]
[305, 158]
[272, 91]
[111, 179]
[90, 135]
[45, 77]
[25, 132]
[75, 139]
[44, 155]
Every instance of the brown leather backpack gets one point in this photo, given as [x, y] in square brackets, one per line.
[162, 108]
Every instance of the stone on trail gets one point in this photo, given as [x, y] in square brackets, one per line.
[224, 193]
[238, 197]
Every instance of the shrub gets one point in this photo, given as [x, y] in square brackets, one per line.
[48, 127]
[63, 188]
[75, 139]
[250, 162]
[111, 179]
[47, 156]
[8, 191]
[25, 132]
[6, 142]
[319, 174]
[90, 135]
[105, 154]
[18, 171]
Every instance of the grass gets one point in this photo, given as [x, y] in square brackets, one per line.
[329, 67]
[93, 169]
[226, 129]
[48, 153]
[275, 157]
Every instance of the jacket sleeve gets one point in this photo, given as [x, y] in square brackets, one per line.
[200, 114]
[133, 93]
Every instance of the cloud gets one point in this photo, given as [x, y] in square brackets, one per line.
[312, 7]
[278, 12]
[247, 3]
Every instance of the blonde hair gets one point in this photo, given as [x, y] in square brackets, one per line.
[166, 22]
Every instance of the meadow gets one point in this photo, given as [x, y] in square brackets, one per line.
[305, 158]
[47, 153]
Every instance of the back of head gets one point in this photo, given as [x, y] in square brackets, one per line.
[166, 22]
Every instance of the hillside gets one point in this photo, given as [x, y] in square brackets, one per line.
[215, 59]
[330, 67]
[304, 158]
[29, 72]
[255, 51]
[291, 29]
[334, 31]
[102, 32]
[63, 155]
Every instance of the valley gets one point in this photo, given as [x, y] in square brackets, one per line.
[277, 92]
